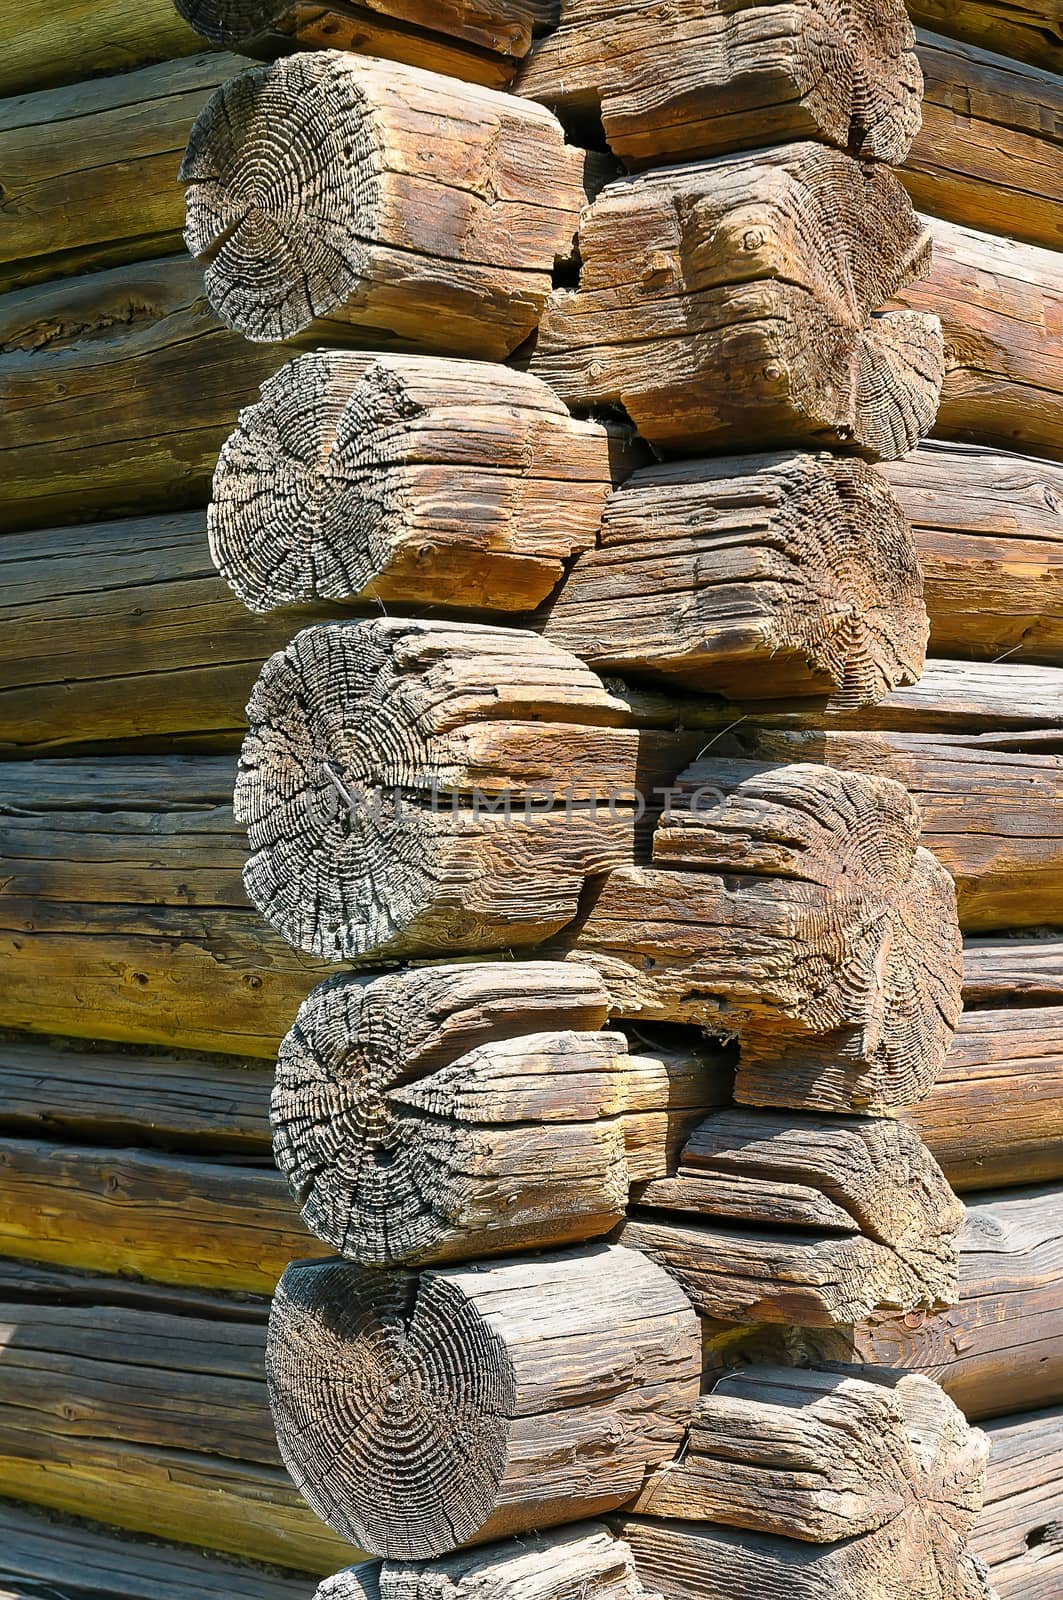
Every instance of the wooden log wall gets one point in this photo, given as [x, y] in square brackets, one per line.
[676, 1094]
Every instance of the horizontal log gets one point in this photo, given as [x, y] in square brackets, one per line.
[411, 480]
[999, 303]
[1019, 1534]
[702, 79]
[748, 312]
[750, 575]
[1016, 971]
[1029, 30]
[88, 171]
[86, 363]
[153, 1421]
[534, 1391]
[427, 208]
[989, 532]
[64, 1559]
[76, 39]
[990, 150]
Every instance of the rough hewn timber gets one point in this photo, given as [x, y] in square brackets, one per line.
[732, 300]
[1001, 307]
[452, 1112]
[990, 151]
[989, 532]
[85, 361]
[479, 40]
[408, 479]
[418, 1411]
[778, 575]
[87, 172]
[701, 78]
[1019, 1534]
[336, 193]
[71, 40]
[1029, 30]
[1014, 971]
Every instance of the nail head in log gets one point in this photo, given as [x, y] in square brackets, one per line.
[793, 907]
[417, 788]
[751, 576]
[733, 299]
[815, 1221]
[409, 479]
[335, 192]
[451, 1112]
[419, 1412]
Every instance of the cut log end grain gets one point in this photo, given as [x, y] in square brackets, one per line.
[375, 753]
[410, 479]
[418, 1412]
[716, 77]
[752, 576]
[336, 189]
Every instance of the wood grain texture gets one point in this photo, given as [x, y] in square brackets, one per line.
[83, 362]
[1019, 1534]
[72, 40]
[1029, 30]
[89, 173]
[417, 1412]
[990, 150]
[330, 188]
[733, 299]
[700, 79]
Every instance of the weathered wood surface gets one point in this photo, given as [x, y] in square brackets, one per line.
[449, 1113]
[700, 79]
[152, 1420]
[375, 754]
[479, 40]
[777, 575]
[733, 299]
[1001, 1348]
[88, 173]
[1014, 971]
[989, 532]
[71, 40]
[85, 361]
[49, 1557]
[1029, 30]
[337, 193]
[1019, 1534]
[990, 150]
[995, 1115]
[408, 479]
[1001, 309]
[419, 1411]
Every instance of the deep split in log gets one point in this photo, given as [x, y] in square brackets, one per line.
[417, 1412]
[777, 575]
[735, 298]
[336, 192]
[409, 479]
[701, 78]
[453, 1112]
[416, 787]
[792, 906]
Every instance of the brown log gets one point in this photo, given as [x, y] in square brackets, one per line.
[71, 40]
[336, 193]
[454, 1112]
[1029, 30]
[408, 479]
[1015, 971]
[701, 79]
[376, 752]
[751, 575]
[118, 390]
[87, 172]
[733, 300]
[1000, 305]
[792, 906]
[1019, 1534]
[989, 532]
[417, 1412]
[990, 150]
